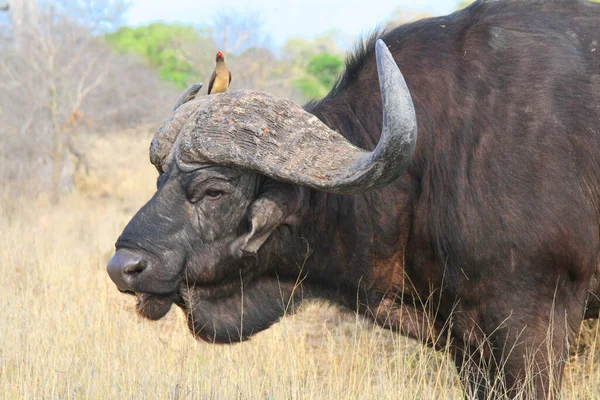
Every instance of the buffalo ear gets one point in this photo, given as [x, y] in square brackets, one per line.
[277, 202]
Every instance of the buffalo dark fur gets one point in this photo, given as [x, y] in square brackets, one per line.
[489, 244]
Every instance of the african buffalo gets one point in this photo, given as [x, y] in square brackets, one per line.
[482, 235]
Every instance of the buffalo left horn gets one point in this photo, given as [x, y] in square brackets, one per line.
[188, 95]
[275, 137]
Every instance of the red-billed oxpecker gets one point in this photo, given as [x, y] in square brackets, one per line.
[221, 76]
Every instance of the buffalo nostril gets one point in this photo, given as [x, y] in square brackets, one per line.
[135, 268]
[123, 268]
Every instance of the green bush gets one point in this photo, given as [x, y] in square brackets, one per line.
[155, 44]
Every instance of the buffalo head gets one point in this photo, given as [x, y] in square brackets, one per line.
[220, 238]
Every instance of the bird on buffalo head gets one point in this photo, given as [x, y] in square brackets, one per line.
[221, 76]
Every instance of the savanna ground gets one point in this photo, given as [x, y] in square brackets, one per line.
[66, 332]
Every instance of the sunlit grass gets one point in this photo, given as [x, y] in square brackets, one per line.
[66, 332]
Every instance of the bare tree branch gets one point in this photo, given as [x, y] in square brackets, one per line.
[241, 38]
[83, 92]
[188, 52]
[246, 27]
[57, 78]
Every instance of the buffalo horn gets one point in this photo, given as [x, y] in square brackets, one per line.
[275, 137]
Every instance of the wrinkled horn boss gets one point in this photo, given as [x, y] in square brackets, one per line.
[275, 137]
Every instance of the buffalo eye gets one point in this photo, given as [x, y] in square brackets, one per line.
[214, 194]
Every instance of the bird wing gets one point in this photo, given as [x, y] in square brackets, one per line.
[229, 76]
[212, 80]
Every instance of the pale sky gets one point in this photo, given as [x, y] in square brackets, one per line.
[287, 18]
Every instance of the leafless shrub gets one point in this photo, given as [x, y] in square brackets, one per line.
[258, 68]
[130, 96]
[235, 31]
[58, 80]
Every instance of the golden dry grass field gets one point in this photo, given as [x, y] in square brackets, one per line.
[67, 333]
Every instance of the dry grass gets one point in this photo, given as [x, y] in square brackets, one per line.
[65, 331]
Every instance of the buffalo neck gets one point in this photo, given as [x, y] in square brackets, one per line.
[357, 241]
[354, 243]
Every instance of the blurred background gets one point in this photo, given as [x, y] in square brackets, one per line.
[71, 68]
[83, 86]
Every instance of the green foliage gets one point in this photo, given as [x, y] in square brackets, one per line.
[325, 68]
[298, 51]
[155, 44]
[181, 54]
[463, 3]
[321, 73]
[309, 87]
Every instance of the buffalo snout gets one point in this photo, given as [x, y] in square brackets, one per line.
[124, 268]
